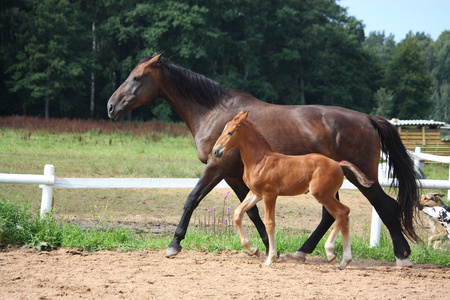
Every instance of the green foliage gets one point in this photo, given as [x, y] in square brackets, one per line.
[16, 223]
[439, 65]
[285, 52]
[407, 79]
[49, 63]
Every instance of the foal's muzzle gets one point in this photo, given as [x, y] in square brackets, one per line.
[218, 151]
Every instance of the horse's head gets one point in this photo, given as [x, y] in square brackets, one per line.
[230, 135]
[141, 87]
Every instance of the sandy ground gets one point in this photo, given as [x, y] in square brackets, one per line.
[75, 274]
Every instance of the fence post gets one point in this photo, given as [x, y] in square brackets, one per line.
[47, 191]
[417, 151]
[448, 191]
[375, 229]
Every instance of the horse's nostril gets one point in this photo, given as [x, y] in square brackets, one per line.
[111, 108]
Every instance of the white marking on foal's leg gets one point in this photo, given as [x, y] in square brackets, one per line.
[347, 255]
[239, 212]
[329, 245]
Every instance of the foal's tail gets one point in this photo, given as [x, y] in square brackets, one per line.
[402, 167]
[360, 176]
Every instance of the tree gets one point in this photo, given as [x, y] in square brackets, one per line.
[384, 102]
[439, 66]
[381, 45]
[48, 67]
[409, 82]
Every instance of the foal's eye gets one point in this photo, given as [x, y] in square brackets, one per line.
[230, 133]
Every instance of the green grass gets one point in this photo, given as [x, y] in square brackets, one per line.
[20, 226]
[95, 155]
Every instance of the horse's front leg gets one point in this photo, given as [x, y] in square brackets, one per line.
[269, 220]
[211, 176]
[248, 203]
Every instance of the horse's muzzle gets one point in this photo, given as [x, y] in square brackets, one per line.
[218, 151]
[114, 113]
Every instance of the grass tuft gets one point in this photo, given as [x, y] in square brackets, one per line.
[20, 227]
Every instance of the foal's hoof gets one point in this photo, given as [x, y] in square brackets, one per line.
[404, 262]
[332, 259]
[267, 263]
[171, 252]
[344, 264]
[300, 256]
[257, 253]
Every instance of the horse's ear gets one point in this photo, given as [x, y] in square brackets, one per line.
[155, 59]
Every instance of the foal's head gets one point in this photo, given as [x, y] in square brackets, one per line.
[230, 136]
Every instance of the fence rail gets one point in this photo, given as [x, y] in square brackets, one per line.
[48, 181]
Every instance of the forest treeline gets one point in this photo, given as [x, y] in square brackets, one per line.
[64, 58]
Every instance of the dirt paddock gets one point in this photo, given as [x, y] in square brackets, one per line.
[75, 274]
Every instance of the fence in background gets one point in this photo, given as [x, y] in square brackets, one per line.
[48, 182]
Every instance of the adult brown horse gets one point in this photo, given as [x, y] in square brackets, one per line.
[341, 134]
[270, 174]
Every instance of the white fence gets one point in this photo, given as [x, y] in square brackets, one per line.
[48, 182]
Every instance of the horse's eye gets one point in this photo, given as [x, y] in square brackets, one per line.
[230, 133]
[136, 78]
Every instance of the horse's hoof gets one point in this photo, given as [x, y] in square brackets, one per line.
[332, 259]
[404, 263]
[171, 252]
[300, 256]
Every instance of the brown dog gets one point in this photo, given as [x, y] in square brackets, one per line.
[437, 213]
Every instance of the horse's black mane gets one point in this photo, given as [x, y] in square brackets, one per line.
[191, 85]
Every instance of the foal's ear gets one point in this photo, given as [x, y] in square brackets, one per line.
[242, 117]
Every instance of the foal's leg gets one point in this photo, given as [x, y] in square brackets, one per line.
[269, 220]
[340, 212]
[343, 226]
[241, 190]
[239, 212]
[310, 244]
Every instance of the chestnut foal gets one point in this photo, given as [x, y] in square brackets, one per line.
[269, 174]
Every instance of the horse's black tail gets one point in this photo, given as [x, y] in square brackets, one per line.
[402, 167]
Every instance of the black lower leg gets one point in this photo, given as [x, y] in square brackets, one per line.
[310, 244]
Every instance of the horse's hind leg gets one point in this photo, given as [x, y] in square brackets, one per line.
[387, 209]
[248, 203]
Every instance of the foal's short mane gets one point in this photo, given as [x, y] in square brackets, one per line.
[258, 134]
[191, 85]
